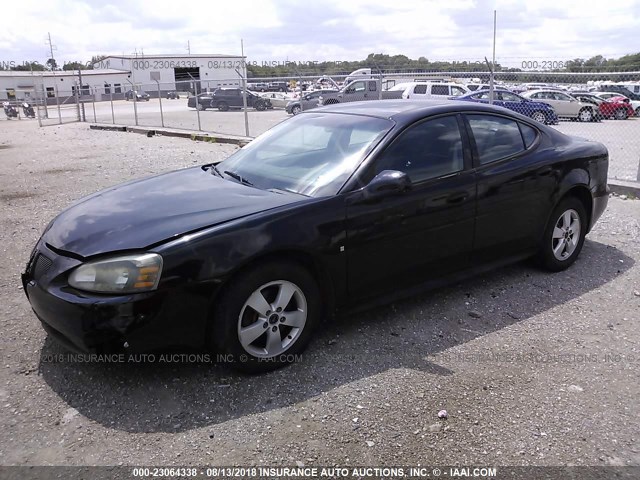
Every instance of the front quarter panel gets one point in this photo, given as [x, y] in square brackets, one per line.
[206, 260]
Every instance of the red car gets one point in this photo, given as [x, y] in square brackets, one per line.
[614, 107]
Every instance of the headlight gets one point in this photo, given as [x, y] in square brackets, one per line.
[124, 274]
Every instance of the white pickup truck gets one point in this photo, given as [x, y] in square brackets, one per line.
[359, 90]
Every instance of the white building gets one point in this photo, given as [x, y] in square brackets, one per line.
[178, 72]
[19, 85]
[116, 74]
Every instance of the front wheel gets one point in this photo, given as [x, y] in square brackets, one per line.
[539, 117]
[638, 112]
[199, 106]
[564, 235]
[261, 107]
[296, 109]
[585, 115]
[266, 316]
[223, 106]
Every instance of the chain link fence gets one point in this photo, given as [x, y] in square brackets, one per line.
[599, 106]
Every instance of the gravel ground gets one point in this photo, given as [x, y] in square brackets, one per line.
[532, 368]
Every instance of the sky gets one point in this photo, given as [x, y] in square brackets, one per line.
[323, 30]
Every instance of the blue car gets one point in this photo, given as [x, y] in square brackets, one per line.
[538, 111]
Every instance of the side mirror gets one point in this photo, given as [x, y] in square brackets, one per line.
[387, 183]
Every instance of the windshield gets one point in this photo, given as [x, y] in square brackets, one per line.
[312, 154]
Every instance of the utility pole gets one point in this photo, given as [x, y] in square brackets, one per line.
[52, 47]
[188, 47]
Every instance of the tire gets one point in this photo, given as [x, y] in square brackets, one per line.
[200, 107]
[621, 114]
[223, 106]
[296, 109]
[638, 112]
[261, 286]
[562, 243]
[261, 107]
[585, 115]
[539, 116]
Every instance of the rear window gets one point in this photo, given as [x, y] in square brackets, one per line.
[495, 137]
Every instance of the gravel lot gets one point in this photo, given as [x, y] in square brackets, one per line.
[532, 368]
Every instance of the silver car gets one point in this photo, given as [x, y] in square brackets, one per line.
[564, 104]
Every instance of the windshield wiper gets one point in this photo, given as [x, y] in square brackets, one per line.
[214, 170]
[282, 189]
[238, 178]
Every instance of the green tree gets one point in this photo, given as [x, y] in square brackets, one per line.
[29, 66]
[74, 66]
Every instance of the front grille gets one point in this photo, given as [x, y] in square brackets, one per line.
[41, 266]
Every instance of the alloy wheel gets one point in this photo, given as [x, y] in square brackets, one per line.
[272, 319]
[566, 235]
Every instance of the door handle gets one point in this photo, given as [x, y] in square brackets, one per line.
[544, 171]
[457, 197]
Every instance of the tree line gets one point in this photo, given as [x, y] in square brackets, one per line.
[378, 62]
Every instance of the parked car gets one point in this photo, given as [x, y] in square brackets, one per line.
[226, 98]
[277, 99]
[258, 87]
[635, 104]
[173, 95]
[140, 96]
[564, 104]
[344, 206]
[538, 111]
[308, 101]
[429, 90]
[357, 91]
[614, 107]
[278, 87]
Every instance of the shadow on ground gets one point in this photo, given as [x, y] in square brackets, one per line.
[170, 397]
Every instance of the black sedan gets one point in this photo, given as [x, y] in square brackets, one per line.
[349, 205]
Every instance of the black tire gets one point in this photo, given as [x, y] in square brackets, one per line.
[621, 114]
[200, 106]
[261, 106]
[539, 116]
[231, 303]
[585, 115]
[296, 109]
[223, 106]
[546, 256]
[638, 112]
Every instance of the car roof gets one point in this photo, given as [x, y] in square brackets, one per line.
[405, 111]
[550, 90]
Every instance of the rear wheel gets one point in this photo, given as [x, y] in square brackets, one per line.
[621, 114]
[223, 106]
[638, 112]
[585, 115]
[266, 316]
[260, 106]
[564, 235]
[539, 117]
[296, 109]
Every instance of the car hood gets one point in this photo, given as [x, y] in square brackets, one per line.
[141, 213]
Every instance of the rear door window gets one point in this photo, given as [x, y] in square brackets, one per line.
[439, 89]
